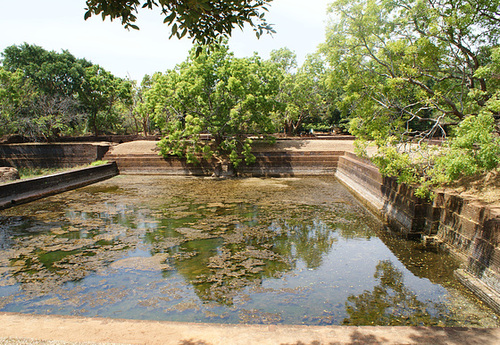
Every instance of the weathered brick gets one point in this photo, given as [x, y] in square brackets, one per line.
[473, 210]
[467, 227]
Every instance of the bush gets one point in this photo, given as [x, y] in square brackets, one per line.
[475, 149]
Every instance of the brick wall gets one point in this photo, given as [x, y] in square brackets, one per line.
[395, 203]
[50, 155]
[22, 191]
[266, 164]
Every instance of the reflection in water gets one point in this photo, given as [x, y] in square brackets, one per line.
[391, 303]
[296, 251]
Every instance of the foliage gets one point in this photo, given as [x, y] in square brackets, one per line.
[44, 94]
[474, 150]
[140, 112]
[301, 95]
[410, 70]
[26, 111]
[50, 72]
[28, 172]
[99, 93]
[206, 21]
[47, 81]
[15, 94]
[216, 96]
[98, 162]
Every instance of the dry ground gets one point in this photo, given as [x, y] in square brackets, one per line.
[19, 329]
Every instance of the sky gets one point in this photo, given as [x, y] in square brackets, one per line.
[59, 24]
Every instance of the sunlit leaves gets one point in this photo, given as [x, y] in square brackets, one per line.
[302, 95]
[213, 93]
[409, 70]
[98, 94]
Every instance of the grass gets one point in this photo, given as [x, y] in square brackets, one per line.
[25, 173]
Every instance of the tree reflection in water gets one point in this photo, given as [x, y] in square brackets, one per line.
[245, 251]
[391, 303]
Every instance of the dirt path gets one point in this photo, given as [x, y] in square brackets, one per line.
[47, 329]
[146, 147]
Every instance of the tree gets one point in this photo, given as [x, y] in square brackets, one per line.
[50, 72]
[141, 113]
[46, 94]
[410, 69]
[205, 21]
[99, 93]
[15, 95]
[218, 95]
[302, 95]
[51, 79]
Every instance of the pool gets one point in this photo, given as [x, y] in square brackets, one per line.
[256, 250]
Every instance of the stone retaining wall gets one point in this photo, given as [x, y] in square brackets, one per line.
[51, 155]
[472, 231]
[266, 164]
[395, 203]
[22, 191]
[469, 229]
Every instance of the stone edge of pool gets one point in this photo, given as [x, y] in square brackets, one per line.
[16, 328]
[22, 191]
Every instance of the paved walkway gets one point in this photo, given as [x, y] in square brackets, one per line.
[87, 330]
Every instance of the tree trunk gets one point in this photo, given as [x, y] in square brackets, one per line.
[93, 124]
[289, 129]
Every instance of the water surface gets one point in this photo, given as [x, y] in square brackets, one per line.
[290, 251]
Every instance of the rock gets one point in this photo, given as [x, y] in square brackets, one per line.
[8, 174]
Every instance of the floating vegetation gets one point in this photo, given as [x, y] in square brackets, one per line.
[266, 251]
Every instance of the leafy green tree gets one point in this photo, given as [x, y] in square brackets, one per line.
[15, 95]
[99, 93]
[50, 72]
[141, 112]
[51, 79]
[45, 94]
[214, 94]
[285, 60]
[206, 21]
[409, 70]
[302, 95]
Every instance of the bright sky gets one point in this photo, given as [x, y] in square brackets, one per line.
[59, 24]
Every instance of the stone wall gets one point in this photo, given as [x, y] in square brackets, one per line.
[395, 203]
[22, 191]
[266, 164]
[472, 231]
[51, 155]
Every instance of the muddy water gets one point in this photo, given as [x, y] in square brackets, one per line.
[291, 251]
